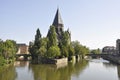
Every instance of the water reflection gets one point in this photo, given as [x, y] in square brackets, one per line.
[8, 74]
[82, 70]
[21, 63]
[118, 70]
[109, 65]
[50, 72]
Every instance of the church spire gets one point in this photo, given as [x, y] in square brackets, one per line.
[57, 19]
[58, 23]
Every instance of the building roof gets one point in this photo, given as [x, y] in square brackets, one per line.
[21, 44]
[57, 19]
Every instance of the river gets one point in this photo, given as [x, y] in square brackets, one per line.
[95, 69]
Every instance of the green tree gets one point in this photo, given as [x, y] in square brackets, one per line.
[84, 50]
[35, 46]
[95, 51]
[9, 49]
[37, 38]
[65, 38]
[1, 47]
[53, 52]
[2, 61]
[64, 51]
[71, 51]
[64, 44]
[43, 47]
[52, 37]
[76, 45]
[80, 49]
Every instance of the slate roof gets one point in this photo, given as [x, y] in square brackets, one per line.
[57, 20]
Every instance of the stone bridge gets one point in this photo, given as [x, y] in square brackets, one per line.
[22, 56]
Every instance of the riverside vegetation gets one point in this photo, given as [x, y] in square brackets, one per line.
[43, 47]
[8, 50]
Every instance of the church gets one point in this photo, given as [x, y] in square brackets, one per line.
[59, 26]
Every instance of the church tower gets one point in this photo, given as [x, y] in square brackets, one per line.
[58, 23]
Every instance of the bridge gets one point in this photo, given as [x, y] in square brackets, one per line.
[98, 55]
[24, 56]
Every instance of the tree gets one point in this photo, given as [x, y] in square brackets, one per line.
[9, 49]
[53, 52]
[43, 47]
[71, 51]
[64, 43]
[1, 47]
[35, 46]
[52, 37]
[80, 49]
[2, 61]
[65, 38]
[37, 38]
[76, 45]
[95, 51]
[64, 51]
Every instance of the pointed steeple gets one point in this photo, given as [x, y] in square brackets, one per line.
[57, 19]
[58, 23]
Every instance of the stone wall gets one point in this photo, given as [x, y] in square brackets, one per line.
[53, 61]
[61, 61]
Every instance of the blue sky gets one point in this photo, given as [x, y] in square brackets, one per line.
[95, 23]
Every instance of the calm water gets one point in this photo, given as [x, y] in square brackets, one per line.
[96, 69]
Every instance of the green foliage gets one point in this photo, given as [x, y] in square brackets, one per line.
[53, 52]
[2, 61]
[65, 39]
[43, 47]
[64, 51]
[64, 44]
[79, 49]
[37, 37]
[95, 51]
[8, 49]
[52, 37]
[42, 51]
[34, 47]
[84, 50]
[71, 51]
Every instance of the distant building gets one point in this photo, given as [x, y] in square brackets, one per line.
[22, 49]
[118, 46]
[109, 50]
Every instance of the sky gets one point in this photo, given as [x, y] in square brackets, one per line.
[94, 23]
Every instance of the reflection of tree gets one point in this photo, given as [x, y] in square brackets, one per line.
[50, 72]
[8, 74]
[118, 69]
[79, 67]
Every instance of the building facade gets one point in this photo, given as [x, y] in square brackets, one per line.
[22, 49]
[109, 50]
[118, 46]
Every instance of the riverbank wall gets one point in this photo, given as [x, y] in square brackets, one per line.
[65, 60]
[55, 61]
[112, 58]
